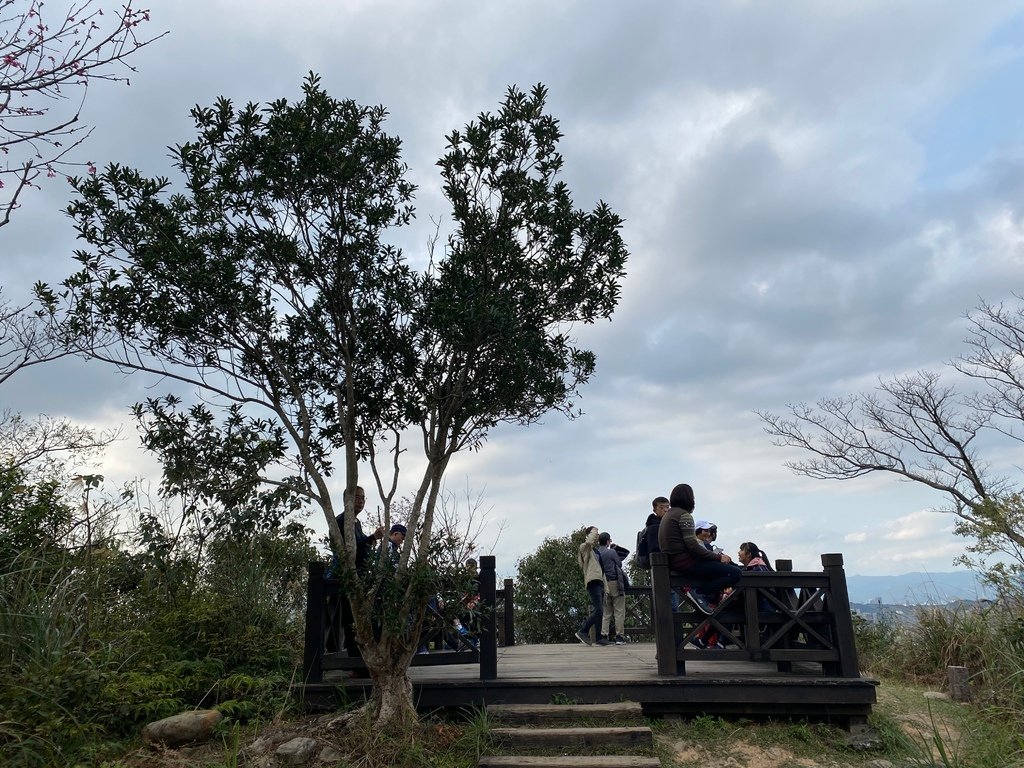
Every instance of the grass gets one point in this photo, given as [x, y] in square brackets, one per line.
[989, 641]
[911, 732]
[943, 734]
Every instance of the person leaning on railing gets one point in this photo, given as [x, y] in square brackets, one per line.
[708, 572]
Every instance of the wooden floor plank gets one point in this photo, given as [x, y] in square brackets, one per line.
[562, 738]
[616, 711]
[568, 761]
[541, 674]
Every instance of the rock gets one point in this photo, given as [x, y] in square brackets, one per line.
[330, 756]
[936, 695]
[186, 728]
[298, 751]
[258, 747]
[865, 740]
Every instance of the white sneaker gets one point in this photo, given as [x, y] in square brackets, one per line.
[620, 640]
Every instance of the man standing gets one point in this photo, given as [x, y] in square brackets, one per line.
[363, 544]
[593, 577]
[396, 538]
[615, 589]
[647, 539]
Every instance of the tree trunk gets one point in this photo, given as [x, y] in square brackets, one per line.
[391, 704]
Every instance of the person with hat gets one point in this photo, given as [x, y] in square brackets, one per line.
[707, 636]
[706, 533]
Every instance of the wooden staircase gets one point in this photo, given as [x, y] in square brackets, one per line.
[534, 728]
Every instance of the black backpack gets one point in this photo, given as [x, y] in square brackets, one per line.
[643, 556]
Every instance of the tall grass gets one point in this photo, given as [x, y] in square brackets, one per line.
[50, 674]
[94, 644]
[986, 638]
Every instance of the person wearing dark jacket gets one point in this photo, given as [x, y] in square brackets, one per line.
[363, 546]
[615, 588]
[647, 540]
[708, 571]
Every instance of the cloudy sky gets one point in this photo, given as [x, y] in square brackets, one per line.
[814, 194]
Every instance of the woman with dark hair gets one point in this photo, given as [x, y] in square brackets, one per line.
[756, 561]
[752, 558]
[708, 571]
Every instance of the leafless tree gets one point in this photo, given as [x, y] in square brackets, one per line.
[461, 522]
[925, 431]
[47, 62]
[26, 339]
[45, 445]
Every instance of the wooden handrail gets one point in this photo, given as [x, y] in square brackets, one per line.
[319, 590]
[782, 616]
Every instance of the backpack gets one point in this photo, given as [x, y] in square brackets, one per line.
[643, 557]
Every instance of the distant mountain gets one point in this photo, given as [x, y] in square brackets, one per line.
[917, 588]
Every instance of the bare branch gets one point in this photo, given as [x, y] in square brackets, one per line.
[45, 72]
[911, 427]
[40, 442]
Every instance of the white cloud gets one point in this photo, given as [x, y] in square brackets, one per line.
[796, 230]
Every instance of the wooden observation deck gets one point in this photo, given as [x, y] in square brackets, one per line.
[791, 656]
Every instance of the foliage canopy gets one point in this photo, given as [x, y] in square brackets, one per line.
[268, 286]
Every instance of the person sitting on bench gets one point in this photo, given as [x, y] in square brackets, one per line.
[709, 572]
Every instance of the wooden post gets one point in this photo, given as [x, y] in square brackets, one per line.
[752, 628]
[784, 566]
[510, 613]
[959, 684]
[488, 620]
[313, 651]
[840, 607]
[663, 621]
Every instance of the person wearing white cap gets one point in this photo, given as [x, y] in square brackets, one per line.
[706, 533]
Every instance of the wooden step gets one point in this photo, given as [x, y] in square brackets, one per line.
[564, 761]
[560, 738]
[619, 712]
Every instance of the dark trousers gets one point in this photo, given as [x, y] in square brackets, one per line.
[710, 577]
[595, 590]
[348, 625]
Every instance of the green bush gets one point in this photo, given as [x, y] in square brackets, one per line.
[551, 599]
[877, 642]
[95, 643]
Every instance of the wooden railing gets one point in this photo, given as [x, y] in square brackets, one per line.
[323, 627]
[639, 610]
[782, 616]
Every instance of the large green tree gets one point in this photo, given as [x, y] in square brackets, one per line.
[268, 287]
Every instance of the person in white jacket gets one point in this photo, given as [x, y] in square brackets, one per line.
[593, 577]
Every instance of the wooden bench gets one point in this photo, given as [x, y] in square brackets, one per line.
[784, 616]
[323, 627]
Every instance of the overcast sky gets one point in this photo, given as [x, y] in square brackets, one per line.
[814, 194]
